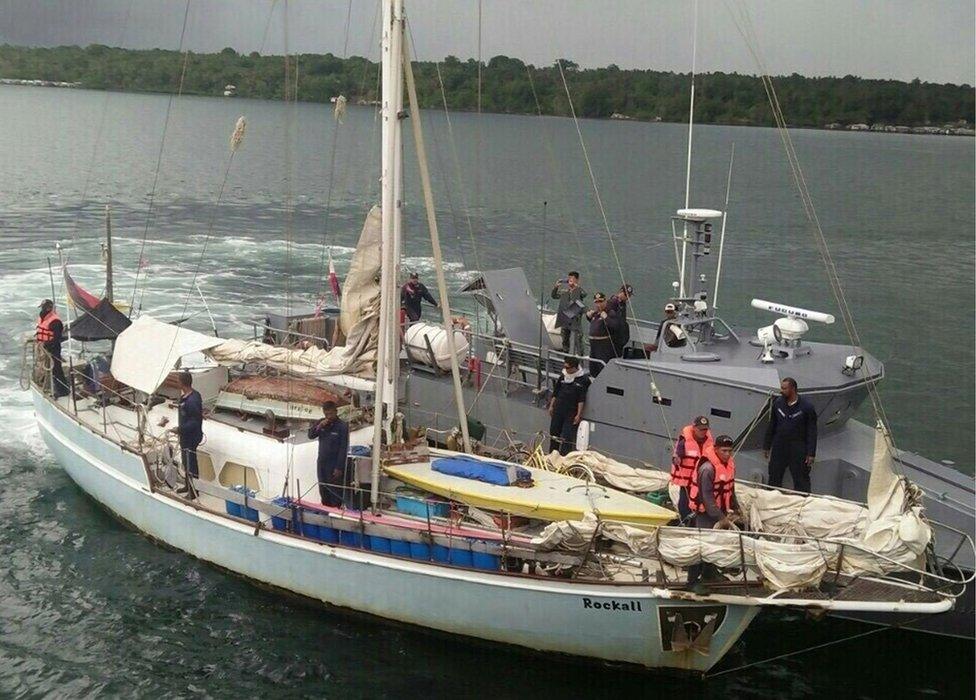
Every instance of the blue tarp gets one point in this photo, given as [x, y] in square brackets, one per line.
[489, 472]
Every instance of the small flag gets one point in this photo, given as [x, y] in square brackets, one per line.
[334, 281]
[78, 296]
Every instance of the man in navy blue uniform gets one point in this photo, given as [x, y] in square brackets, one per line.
[566, 406]
[190, 425]
[333, 436]
[791, 437]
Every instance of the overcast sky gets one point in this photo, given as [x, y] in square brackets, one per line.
[934, 40]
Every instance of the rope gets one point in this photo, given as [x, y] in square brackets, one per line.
[744, 26]
[332, 164]
[98, 132]
[159, 157]
[610, 237]
[554, 171]
[815, 647]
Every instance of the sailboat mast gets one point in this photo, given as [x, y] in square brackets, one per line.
[391, 104]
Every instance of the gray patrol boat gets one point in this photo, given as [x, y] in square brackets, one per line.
[639, 402]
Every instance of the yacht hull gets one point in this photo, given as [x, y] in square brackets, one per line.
[622, 623]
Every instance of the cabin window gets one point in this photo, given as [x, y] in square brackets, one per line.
[206, 467]
[234, 474]
[615, 391]
[662, 401]
[721, 413]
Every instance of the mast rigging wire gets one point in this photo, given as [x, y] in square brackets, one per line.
[610, 238]
[159, 157]
[743, 24]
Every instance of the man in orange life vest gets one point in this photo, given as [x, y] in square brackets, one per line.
[50, 335]
[689, 449]
[712, 496]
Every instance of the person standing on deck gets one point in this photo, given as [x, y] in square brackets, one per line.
[50, 334]
[689, 450]
[189, 425]
[333, 436]
[412, 294]
[618, 304]
[674, 336]
[603, 326]
[791, 437]
[712, 496]
[566, 407]
[568, 315]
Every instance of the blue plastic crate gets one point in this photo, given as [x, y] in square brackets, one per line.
[460, 557]
[487, 562]
[441, 553]
[380, 544]
[277, 523]
[310, 530]
[419, 550]
[328, 534]
[353, 539]
[400, 548]
[413, 503]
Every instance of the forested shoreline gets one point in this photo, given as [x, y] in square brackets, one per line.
[508, 86]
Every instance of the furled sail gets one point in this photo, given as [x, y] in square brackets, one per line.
[887, 533]
[358, 320]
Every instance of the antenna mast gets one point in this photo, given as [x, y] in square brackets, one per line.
[691, 124]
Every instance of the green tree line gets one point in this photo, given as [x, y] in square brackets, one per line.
[508, 86]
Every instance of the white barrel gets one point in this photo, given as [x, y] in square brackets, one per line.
[418, 335]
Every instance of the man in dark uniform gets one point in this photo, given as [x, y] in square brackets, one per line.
[412, 294]
[566, 407]
[603, 326]
[791, 437]
[190, 424]
[50, 334]
[618, 304]
[333, 436]
[568, 319]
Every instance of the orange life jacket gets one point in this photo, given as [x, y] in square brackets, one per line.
[723, 485]
[687, 465]
[44, 334]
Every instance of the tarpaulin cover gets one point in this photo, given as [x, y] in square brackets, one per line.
[489, 472]
[104, 322]
[146, 351]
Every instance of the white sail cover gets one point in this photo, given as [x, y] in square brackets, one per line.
[358, 320]
[887, 534]
[146, 351]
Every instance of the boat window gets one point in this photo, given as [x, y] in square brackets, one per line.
[662, 401]
[721, 413]
[615, 391]
[234, 474]
[206, 467]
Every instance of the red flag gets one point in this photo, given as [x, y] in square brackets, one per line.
[334, 281]
[78, 295]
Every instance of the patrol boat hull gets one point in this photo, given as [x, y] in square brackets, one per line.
[625, 623]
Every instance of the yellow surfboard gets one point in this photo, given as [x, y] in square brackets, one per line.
[551, 497]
